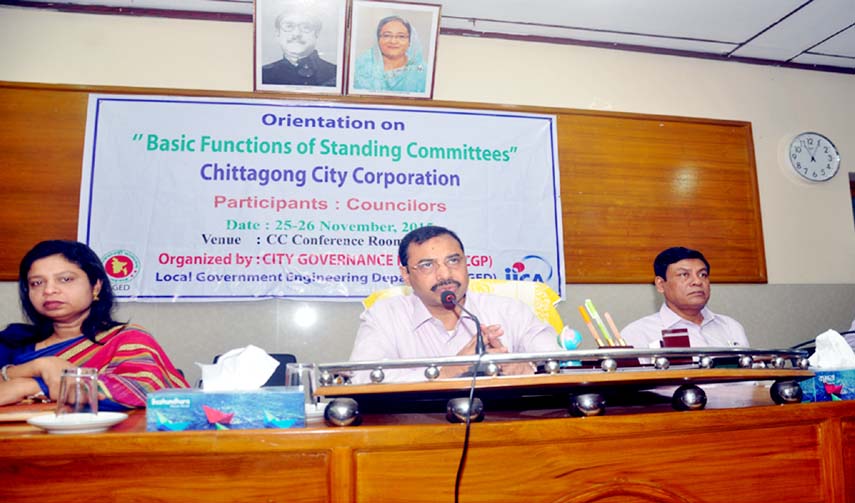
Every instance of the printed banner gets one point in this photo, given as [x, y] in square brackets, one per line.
[201, 199]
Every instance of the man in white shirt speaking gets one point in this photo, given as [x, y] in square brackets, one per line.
[424, 325]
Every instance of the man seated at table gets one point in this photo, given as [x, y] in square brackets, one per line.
[682, 277]
[419, 325]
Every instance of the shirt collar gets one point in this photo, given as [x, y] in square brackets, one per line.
[421, 315]
[670, 318]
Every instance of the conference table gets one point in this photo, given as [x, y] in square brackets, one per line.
[741, 447]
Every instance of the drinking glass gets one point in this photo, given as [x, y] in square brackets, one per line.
[78, 391]
[305, 375]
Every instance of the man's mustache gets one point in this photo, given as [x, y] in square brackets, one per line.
[443, 283]
[296, 38]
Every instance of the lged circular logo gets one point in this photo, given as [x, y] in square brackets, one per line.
[121, 265]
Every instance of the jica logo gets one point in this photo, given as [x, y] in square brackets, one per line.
[530, 268]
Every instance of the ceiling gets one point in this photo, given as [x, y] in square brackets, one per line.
[804, 34]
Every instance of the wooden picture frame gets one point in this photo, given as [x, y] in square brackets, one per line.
[300, 45]
[385, 34]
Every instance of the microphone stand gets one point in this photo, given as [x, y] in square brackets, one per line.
[449, 300]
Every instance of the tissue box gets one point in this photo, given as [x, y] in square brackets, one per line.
[196, 409]
[829, 385]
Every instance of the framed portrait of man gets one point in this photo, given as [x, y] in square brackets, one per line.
[299, 45]
[393, 48]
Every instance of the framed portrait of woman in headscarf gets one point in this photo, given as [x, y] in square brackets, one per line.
[393, 48]
[299, 45]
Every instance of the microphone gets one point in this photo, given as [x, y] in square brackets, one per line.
[449, 301]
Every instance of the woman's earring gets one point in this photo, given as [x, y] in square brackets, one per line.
[95, 297]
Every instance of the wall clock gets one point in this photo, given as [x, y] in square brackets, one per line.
[814, 157]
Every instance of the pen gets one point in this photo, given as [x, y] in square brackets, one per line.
[593, 330]
[599, 321]
[611, 323]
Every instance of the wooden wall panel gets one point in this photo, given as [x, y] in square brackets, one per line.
[631, 184]
[634, 185]
[41, 148]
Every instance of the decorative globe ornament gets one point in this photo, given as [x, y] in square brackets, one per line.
[552, 367]
[458, 408]
[609, 365]
[432, 372]
[661, 363]
[745, 361]
[786, 392]
[587, 404]
[569, 339]
[804, 363]
[777, 362]
[689, 397]
[706, 362]
[377, 375]
[342, 412]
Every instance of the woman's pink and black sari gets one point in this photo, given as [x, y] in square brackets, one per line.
[130, 363]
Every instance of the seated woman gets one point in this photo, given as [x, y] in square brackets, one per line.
[66, 294]
[395, 63]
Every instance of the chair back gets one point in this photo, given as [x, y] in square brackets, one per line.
[539, 296]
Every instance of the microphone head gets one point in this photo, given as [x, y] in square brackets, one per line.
[448, 299]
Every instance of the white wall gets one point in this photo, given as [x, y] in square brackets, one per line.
[808, 228]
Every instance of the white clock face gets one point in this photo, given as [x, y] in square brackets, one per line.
[814, 157]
